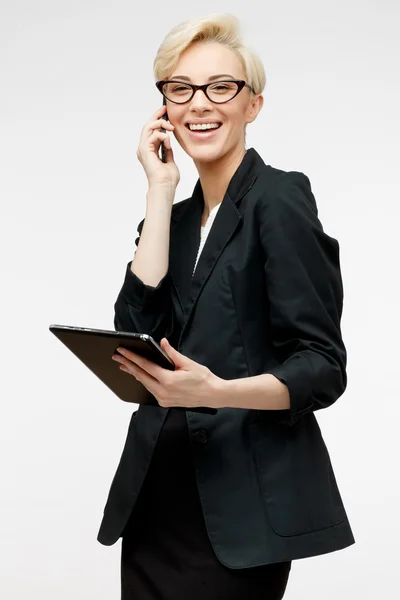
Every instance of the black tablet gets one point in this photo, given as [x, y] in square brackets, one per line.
[95, 347]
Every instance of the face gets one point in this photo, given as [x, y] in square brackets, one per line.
[199, 62]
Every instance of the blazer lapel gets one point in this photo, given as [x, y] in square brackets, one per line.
[184, 244]
[185, 234]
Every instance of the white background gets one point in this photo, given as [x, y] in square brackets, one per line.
[76, 87]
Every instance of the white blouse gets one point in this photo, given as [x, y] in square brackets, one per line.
[204, 231]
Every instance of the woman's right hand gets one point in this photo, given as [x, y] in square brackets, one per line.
[157, 172]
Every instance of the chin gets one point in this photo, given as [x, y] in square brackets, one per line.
[207, 153]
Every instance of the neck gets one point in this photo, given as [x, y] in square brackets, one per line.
[215, 177]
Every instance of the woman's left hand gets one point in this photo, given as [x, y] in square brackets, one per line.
[189, 385]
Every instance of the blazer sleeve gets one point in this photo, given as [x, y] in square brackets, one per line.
[305, 294]
[143, 308]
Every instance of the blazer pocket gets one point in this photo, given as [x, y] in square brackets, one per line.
[296, 477]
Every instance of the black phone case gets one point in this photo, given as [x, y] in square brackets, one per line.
[163, 149]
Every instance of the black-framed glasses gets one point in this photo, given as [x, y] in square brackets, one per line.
[217, 91]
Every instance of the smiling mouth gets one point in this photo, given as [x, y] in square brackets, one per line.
[206, 130]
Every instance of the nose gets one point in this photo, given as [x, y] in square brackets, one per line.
[200, 100]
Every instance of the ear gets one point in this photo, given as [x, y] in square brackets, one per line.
[255, 107]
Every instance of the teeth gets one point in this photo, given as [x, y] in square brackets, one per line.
[204, 126]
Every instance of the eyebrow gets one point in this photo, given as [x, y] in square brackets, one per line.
[209, 79]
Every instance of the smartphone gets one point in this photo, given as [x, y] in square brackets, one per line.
[163, 149]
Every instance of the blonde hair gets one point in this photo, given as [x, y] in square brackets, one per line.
[221, 28]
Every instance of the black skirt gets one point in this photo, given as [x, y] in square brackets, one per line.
[166, 552]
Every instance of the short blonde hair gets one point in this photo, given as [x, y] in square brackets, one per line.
[222, 28]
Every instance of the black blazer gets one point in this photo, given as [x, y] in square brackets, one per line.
[266, 297]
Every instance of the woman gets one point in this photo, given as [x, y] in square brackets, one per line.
[246, 286]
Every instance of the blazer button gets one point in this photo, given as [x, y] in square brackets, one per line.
[200, 436]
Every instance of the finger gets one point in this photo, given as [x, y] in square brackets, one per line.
[158, 136]
[155, 117]
[145, 364]
[168, 144]
[153, 142]
[162, 123]
[160, 110]
[157, 125]
[151, 384]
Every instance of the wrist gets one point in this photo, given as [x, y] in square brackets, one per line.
[166, 191]
[222, 392]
